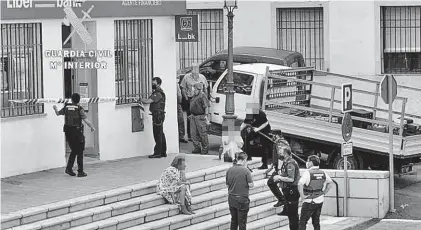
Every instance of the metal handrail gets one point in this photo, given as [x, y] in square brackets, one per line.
[337, 197]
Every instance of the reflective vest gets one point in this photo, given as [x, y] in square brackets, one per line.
[315, 187]
[72, 115]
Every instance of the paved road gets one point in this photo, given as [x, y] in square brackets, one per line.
[39, 188]
[389, 224]
[407, 197]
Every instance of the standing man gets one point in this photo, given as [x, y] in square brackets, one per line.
[199, 120]
[181, 129]
[313, 186]
[73, 130]
[239, 182]
[187, 84]
[290, 174]
[157, 109]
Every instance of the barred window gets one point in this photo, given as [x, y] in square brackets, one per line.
[401, 39]
[21, 68]
[301, 30]
[133, 59]
[210, 40]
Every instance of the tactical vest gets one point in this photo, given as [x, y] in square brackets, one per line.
[285, 173]
[160, 105]
[72, 115]
[315, 187]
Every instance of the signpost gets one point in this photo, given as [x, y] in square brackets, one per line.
[186, 28]
[346, 149]
[346, 98]
[388, 93]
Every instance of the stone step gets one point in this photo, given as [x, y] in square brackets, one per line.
[256, 214]
[269, 223]
[56, 209]
[204, 215]
[144, 204]
[334, 223]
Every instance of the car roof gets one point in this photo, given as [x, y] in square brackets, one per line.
[257, 54]
[258, 68]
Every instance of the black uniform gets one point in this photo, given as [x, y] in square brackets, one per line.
[73, 130]
[256, 120]
[290, 189]
[273, 186]
[157, 109]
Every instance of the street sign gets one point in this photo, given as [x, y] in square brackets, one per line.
[347, 127]
[186, 28]
[346, 149]
[346, 98]
[384, 89]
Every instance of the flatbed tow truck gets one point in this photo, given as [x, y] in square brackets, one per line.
[302, 104]
[304, 107]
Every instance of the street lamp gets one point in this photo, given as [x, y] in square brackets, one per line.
[229, 117]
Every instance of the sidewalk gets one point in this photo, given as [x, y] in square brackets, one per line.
[39, 188]
[387, 224]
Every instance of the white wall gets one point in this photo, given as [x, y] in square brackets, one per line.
[116, 139]
[33, 143]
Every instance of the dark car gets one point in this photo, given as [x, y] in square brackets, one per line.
[214, 66]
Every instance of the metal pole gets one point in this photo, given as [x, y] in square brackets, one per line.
[391, 168]
[229, 117]
[346, 184]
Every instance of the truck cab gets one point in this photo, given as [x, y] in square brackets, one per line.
[248, 86]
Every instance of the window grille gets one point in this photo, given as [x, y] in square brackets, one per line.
[401, 39]
[21, 68]
[301, 30]
[210, 38]
[133, 51]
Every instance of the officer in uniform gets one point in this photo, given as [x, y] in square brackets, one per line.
[278, 148]
[157, 109]
[73, 130]
[313, 185]
[199, 120]
[290, 174]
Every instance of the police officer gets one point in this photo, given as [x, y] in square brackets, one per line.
[313, 185]
[157, 109]
[290, 174]
[278, 148]
[199, 120]
[73, 130]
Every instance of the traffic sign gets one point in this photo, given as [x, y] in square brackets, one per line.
[346, 149]
[384, 89]
[346, 98]
[347, 127]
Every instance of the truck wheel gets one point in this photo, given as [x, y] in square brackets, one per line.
[338, 163]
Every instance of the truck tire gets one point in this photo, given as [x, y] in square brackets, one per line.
[338, 163]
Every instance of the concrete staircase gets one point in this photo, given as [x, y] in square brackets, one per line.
[139, 207]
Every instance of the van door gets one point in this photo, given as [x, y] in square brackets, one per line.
[244, 92]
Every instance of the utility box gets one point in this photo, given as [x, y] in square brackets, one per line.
[137, 119]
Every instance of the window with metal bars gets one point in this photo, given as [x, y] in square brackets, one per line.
[301, 30]
[21, 68]
[401, 39]
[133, 59]
[210, 38]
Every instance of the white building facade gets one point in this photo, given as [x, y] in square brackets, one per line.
[366, 38]
[130, 41]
